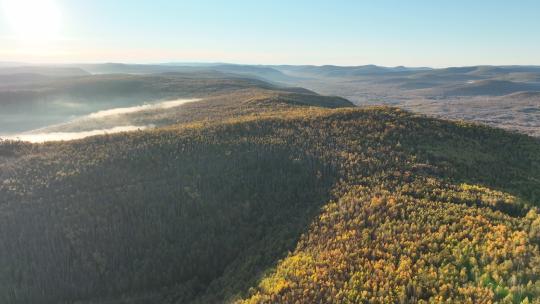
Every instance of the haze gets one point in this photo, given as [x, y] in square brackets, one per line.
[388, 33]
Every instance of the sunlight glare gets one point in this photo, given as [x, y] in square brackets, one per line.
[33, 20]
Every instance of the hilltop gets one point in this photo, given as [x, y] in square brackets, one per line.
[268, 197]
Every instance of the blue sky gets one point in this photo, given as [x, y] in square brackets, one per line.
[384, 32]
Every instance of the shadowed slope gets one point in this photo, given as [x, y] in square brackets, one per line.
[197, 212]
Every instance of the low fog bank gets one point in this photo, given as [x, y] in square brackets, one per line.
[61, 136]
[102, 122]
[145, 107]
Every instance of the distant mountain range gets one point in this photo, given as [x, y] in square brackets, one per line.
[443, 90]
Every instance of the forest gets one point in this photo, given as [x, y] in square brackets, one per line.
[300, 204]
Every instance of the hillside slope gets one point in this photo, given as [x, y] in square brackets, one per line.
[349, 205]
[216, 107]
[32, 101]
[52, 71]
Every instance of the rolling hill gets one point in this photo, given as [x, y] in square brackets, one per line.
[442, 92]
[36, 103]
[226, 105]
[251, 71]
[274, 196]
[453, 93]
[52, 71]
[490, 88]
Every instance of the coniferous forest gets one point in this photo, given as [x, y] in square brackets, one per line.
[300, 202]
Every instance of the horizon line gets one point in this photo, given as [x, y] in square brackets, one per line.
[187, 63]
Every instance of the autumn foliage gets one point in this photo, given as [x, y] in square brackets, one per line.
[303, 205]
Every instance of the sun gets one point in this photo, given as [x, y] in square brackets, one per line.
[32, 20]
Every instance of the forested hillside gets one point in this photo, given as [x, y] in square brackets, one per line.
[298, 205]
[34, 101]
[217, 107]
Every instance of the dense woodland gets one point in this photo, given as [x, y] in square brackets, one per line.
[302, 205]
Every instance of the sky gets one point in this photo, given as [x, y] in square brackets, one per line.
[436, 33]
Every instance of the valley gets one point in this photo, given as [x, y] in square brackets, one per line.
[92, 124]
[505, 96]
